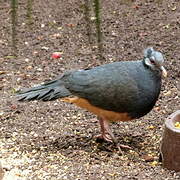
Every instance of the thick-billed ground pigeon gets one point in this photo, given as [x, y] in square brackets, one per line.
[119, 91]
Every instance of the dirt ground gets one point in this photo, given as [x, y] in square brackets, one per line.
[55, 140]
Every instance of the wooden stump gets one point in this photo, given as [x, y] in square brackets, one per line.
[170, 146]
[1, 172]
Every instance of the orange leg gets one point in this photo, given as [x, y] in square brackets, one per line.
[106, 134]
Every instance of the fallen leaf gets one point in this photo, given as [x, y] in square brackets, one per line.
[44, 48]
[157, 108]
[136, 6]
[70, 25]
[154, 163]
[177, 125]
[9, 57]
[166, 26]
[150, 127]
[1, 113]
[57, 35]
[148, 158]
[174, 8]
[167, 93]
[2, 72]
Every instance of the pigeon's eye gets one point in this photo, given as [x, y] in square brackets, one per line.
[152, 61]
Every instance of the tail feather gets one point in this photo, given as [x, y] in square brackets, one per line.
[46, 92]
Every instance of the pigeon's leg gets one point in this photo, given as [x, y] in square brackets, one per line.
[106, 134]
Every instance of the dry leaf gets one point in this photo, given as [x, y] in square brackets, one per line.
[2, 72]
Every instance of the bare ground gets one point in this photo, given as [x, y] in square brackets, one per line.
[55, 140]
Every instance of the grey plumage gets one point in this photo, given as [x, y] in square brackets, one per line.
[46, 92]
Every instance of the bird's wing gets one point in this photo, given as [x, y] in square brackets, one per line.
[110, 87]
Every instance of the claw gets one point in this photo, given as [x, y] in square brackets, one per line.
[104, 138]
[125, 146]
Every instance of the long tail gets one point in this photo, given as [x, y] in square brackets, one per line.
[46, 92]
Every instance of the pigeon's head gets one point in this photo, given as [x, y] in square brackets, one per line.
[154, 60]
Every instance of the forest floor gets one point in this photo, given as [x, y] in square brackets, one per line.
[55, 140]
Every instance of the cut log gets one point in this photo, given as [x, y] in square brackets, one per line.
[170, 146]
[1, 172]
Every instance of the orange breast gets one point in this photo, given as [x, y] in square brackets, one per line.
[109, 115]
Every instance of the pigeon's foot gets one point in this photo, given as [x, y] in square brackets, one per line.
[102, 138]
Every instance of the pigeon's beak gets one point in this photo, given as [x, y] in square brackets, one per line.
[164, 72]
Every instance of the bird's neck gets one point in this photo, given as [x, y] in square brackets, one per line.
[153, 69]
[144, 63]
